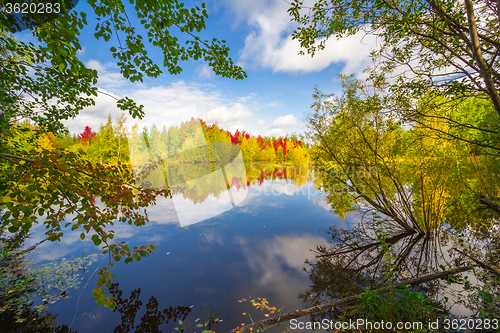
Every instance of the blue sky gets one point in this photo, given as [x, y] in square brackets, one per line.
[273, 100]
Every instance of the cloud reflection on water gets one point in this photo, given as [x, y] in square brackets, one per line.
[277, 263]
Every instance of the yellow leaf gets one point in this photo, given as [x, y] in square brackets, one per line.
[244, 313]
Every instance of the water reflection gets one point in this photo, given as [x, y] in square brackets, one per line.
[198, 200]
[151, 320]
[399, 233]
[355, 260]
[277, 263]
[256, 249]
[27, 290]
[185, 162]
[34, 322]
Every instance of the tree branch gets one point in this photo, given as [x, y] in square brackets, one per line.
[480, 263]
[263, 324]
[478, 55]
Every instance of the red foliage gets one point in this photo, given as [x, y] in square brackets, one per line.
[235, 139]
[262, 143]
[87, 135]
[280, 143]
[245, 134]
[236, 183]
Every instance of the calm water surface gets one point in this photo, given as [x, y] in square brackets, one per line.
[256, 249]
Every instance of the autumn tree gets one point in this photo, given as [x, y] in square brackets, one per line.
[448, 47]
[447, 51]
[87, 135]
[369, 161]
[45, 82]
[121, 131]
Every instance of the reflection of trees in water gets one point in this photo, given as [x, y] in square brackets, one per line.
[355, 260]
[198, 192]
[34, 321]
[22, 282]
[257, 173]
[151, 320]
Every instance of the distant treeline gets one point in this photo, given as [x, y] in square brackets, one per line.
[110, 143]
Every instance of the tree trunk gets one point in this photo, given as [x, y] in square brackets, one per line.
[263, 324]
[478, 55]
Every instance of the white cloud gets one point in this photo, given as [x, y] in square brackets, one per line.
[269, 43]
[108, 76]
[227, 115]
[248, 98]
[321, 201]
[95, 115]
[205, 72]
[178, 102]
[288, 189]
[261, 123]
[285, 124]
[286, 121]
[81, 52]
[275, 132]
[94, 64]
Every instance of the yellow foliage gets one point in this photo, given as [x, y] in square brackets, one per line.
[46, 141]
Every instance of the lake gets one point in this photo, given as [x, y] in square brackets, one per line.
[216, 251]
[256, 249]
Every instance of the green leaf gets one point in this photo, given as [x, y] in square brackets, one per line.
[485, 296]
[13, 229]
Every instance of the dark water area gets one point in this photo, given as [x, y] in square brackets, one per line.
[255, 250]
